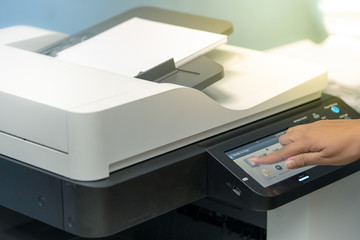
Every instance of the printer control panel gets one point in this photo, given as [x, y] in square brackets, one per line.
[274, 183]
[265, 175]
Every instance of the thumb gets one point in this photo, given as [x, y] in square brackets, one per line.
[302, 160]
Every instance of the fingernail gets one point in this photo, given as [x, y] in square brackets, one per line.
[253, 159]
[290, 163]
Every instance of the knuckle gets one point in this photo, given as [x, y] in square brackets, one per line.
[301, 161]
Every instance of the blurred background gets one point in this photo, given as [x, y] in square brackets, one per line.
[258, 24]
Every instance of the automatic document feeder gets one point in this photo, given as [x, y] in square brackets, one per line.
[93, 152]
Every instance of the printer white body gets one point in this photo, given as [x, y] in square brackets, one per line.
[84, 123]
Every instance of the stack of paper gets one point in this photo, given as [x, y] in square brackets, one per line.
[137, 45]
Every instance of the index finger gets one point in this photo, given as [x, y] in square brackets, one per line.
[271, 158]
[282, 154]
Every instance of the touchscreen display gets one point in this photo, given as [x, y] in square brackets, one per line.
[266, 175]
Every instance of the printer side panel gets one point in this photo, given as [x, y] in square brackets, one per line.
[31, 192]
[33, 121]
[33, 133]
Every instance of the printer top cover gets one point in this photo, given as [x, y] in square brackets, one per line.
[83, 123]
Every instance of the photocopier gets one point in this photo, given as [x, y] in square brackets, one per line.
[94, 153]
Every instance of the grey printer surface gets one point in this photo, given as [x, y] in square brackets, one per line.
[105, 168]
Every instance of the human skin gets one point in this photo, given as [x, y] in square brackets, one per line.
[325, 142]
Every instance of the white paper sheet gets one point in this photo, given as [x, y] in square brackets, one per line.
[138, 45]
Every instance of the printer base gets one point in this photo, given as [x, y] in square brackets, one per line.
[155, 187]
[102, 208]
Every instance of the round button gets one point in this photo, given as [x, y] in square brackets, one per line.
[278, 167]
[335, 109]
[316, 115]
